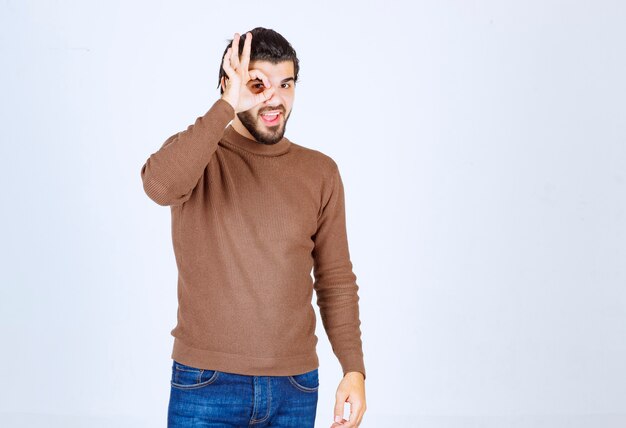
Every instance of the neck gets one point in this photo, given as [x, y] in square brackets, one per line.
[232, 137]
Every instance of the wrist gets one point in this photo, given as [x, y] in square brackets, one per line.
[355, 373]
[232, 103]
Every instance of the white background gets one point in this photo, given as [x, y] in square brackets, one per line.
[482, 146]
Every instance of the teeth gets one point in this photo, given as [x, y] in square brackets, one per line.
[270, 114]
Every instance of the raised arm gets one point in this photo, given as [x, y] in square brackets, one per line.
[170, 174]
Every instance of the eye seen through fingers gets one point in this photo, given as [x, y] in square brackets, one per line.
[259, 85]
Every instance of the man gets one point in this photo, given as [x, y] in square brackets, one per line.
[252, 215]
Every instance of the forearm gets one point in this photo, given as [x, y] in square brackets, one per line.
[339, 310]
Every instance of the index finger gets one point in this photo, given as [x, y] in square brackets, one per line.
[355, 414]
[258, 74]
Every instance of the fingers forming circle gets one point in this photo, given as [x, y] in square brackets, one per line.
[258, 74]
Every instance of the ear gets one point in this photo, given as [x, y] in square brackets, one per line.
[223, 83]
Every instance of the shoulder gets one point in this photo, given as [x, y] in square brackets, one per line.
[316, 159]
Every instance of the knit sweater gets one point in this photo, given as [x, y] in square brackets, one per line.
[250, 221]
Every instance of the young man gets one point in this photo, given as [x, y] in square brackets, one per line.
[252, 215]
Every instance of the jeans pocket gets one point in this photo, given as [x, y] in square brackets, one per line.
[188, 377]
[306, 382]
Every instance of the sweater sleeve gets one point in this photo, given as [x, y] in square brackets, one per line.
[335, 282]
[170, 174]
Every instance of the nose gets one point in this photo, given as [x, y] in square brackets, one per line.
[274, 100]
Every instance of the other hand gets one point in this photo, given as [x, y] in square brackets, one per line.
[352, 390]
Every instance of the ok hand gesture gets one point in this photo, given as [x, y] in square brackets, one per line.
[236, 90]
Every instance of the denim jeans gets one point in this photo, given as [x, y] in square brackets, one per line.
[211, 398]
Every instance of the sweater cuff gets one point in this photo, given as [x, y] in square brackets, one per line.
[353, 364]
[224, 105]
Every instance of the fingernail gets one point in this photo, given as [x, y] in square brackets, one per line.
[337, 418]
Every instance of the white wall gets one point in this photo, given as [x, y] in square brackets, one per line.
[483, 150]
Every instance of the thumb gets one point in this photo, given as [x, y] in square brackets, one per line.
[340, 400]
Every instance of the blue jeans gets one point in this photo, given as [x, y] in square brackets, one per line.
[212, 399]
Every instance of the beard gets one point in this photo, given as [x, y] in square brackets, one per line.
[262, 133]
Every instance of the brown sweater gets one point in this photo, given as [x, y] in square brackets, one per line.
[250, 222]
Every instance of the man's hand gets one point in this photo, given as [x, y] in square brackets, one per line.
[352, 390]
[236, 91]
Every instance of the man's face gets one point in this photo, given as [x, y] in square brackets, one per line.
[263, 128]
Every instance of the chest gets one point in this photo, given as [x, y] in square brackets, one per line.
[267, 198]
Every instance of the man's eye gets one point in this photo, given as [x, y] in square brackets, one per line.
[257, 85]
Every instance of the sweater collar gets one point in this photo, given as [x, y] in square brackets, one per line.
[234, 138]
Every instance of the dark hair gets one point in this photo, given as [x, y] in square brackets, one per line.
[267, 45]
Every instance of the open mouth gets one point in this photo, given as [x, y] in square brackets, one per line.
[271, 119]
